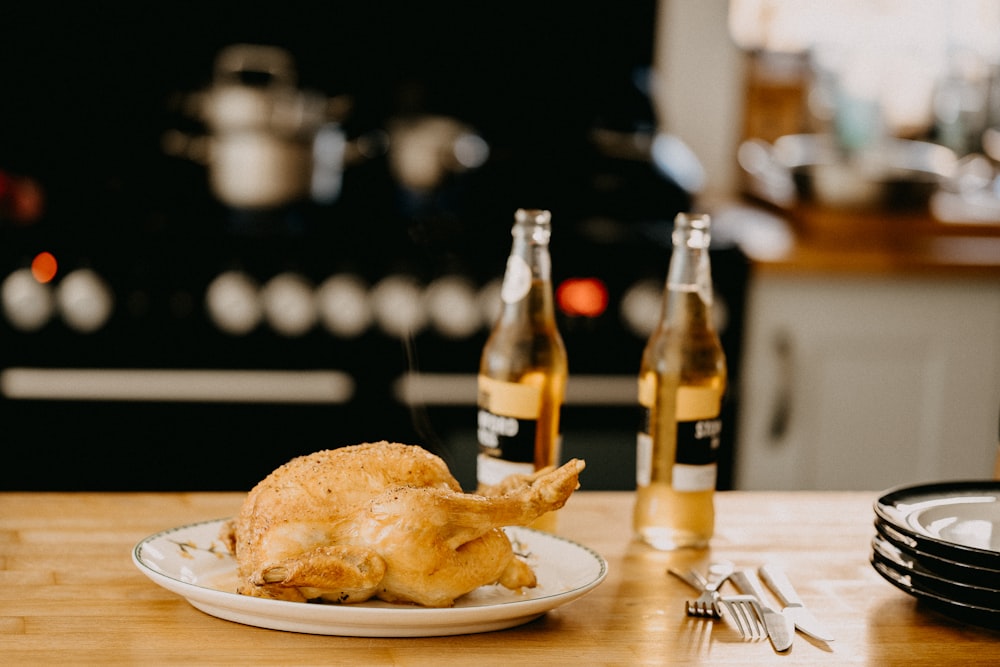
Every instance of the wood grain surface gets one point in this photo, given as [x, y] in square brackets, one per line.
[71, 595]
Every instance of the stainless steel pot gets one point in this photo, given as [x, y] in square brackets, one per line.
[261, 128]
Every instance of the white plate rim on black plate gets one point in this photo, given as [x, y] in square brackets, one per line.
[931, 581]
[966, 612]
[902, 507]
[952, 569]
[191, 561]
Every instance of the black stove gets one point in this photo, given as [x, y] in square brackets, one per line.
[182, 342]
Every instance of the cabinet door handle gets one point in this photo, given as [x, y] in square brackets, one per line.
[781, 412]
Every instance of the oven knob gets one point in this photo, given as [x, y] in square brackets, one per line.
[344, 307]
[27, 303]
[640, 307]
[233, 303]
[398, 305]
[85, 301]
[289, 304]
[452, 308]
[489, 302]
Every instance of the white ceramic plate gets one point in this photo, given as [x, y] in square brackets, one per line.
[192, 562]
[959, 520]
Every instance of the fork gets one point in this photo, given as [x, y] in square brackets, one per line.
[746, 614]
[706, 604]
[743, 610]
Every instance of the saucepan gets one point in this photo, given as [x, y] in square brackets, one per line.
[267, 141]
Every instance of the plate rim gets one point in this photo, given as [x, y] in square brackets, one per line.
[972, 613]
[932, 578]
[971, 573]
[967, 554]
[370, 621]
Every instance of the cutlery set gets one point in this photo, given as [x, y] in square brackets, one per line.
[751, 612]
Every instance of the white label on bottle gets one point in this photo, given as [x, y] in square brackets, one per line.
[516, 280]
[643, 459]
[694, 477]
[490, 471]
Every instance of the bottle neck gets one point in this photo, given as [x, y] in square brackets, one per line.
[690, 271]
[688, 293]
[531, 245]
[529, 266]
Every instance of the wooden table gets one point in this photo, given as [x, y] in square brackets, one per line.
[884, 242]
[70, 594]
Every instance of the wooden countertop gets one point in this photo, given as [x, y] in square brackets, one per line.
[902, 242]
[71, 594]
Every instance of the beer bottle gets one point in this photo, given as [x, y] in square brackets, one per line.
[682, 378]
[523, 369]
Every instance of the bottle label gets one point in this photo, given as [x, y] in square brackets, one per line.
[695, 467]
[506, 425]
[506, 438]
[699, 430]
[694, 478]
[698, 403]
[644, 455]
[516, 280]
[698, 441]
[510, 399]
[490, 471]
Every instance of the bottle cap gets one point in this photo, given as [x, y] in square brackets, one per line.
[693, 220]
[692, 230]
[533, 215]
[532, 223]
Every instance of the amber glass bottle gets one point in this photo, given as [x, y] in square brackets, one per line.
[682, 378]
[523, 369]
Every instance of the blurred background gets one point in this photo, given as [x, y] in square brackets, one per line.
[232, 236]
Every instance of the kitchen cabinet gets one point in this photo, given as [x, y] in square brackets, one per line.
[868, 380]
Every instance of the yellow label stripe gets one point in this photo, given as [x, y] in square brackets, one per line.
[510, 399]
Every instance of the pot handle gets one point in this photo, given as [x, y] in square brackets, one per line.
[781, 413]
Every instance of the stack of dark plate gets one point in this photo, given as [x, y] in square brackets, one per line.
[941, 544]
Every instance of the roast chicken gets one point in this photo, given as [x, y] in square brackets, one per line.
[384, 520]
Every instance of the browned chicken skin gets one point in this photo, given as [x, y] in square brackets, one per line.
[384, 520]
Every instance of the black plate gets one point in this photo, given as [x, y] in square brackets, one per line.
[927, 580]
[959, 521]
[950, 569]
[968, 613]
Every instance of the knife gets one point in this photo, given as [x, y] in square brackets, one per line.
[780, 629]
[794, 608]
[691, 578]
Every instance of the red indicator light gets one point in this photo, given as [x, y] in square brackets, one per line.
[587, 297]
[43, 267]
